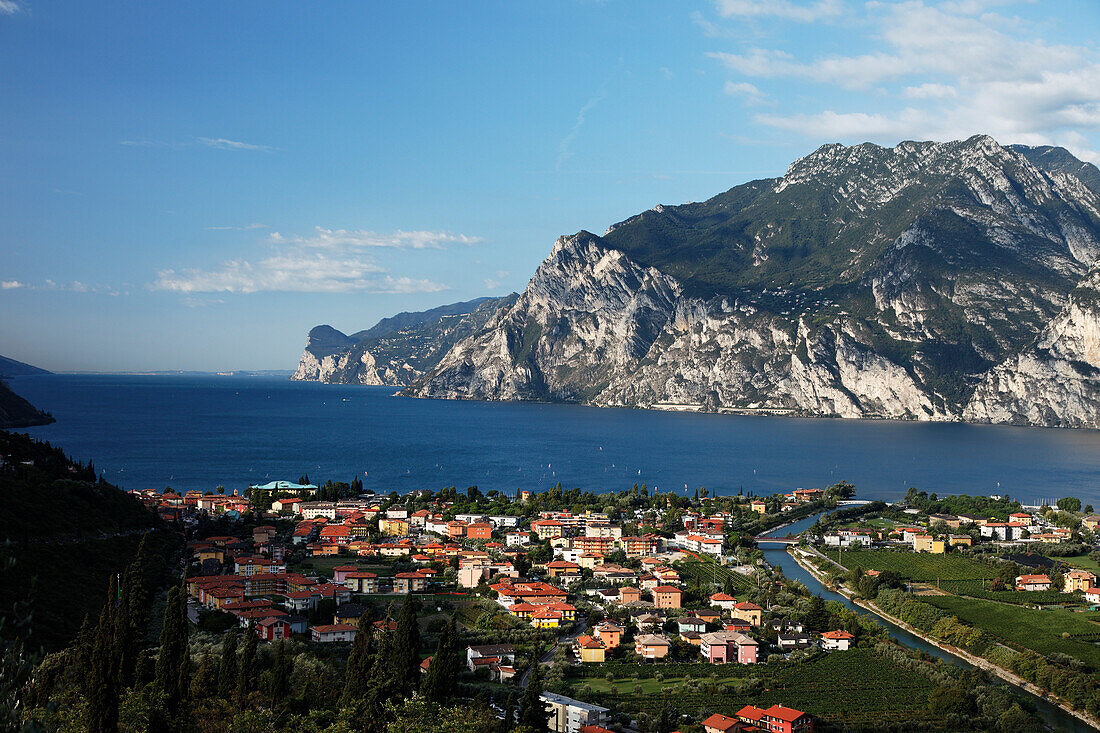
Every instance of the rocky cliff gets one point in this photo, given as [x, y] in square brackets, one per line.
[397, 350]
[915, 282]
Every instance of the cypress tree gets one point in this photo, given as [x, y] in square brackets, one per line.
[246, 670]
[227, 667]
[439, 684]
[532, 714]
[280, 674]
[357, 675]
[509, 720]
[101, 714]
[205, 682]
[174, 660]
[406, 650]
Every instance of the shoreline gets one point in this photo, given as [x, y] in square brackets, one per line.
[971, 659]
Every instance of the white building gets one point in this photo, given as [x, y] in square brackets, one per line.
[569, 716]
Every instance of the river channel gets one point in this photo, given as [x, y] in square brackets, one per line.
[776, 556]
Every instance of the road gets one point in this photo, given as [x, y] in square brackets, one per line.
[548, 658]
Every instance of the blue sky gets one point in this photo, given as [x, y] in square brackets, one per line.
[195, 185]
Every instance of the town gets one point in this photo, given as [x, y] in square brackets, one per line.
[649, 587]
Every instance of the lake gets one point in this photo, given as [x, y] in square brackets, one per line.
[197, 432]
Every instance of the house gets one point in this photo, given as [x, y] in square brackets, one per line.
[651, 646]
[361, 582]
[708, 616]
[548, 528]
[333, 633]
[569, 716]
[1092, 595]
[410, 582]
[1091, 522]
[1078, 580]
[724, 601]
[1033, 582]
[666, 596]
[628, 594]
[788, 642]
[777, 719]
[560, 567]
[589, 649]
[758, 506]
[839, 641]
[610, 634]
[393, 527]
[517, 538]
[959, 540]
[925, 543]
[273, 627]
[719, 723]
[722, 647]
[750, 612]
[545, 617]
[479, 531]
[503, 652]
[691, 623]
[301, 600]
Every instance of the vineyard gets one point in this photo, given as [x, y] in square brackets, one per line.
[1025, 628]
[855, 687]
[917, 567]
[705, 572]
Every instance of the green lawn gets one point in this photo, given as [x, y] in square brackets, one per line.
[1083, 561]
[708, 571]
[1025, 628]
[857, 686]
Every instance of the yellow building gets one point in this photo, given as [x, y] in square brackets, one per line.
[393, 527]
[960, 540]
[1078, 580]
[925, 543]
[750, 612]
[1091, 522]
[758, 506]
[589, 649]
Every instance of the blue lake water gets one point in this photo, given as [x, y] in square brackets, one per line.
[196, 432]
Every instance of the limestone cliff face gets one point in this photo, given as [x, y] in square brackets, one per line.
[1055, 382]
[928, 281]
[397, 350]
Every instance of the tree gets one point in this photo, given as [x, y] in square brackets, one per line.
[283, 665]
[405, 663]
[357, 675]
[1069, 504]
[439, 684]
[101, 686]
[205, 682]
[817, 616]
[227, 667]
[246, 668]
[532, 714]
[173, 673]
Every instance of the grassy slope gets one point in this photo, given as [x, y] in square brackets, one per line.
[916, 567]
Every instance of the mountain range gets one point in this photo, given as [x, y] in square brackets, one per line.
[16, 412]
[928, 281]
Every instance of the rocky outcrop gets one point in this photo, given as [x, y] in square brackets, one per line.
[904, 283]
[1055, 382]
[397, 350]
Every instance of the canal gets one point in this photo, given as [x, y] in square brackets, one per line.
[776, 555]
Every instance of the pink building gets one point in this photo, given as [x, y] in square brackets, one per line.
[728, 647]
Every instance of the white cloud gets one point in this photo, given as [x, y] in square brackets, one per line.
[785, 9]
[565, 147]
[224, 144]
[492, 283]
[931, 90]
[361, 239]
[11, 284]
[326, 261]
[943, 71]
[9, 7]
[748, 91]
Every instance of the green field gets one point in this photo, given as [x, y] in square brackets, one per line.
[1082, 561]
[707, 572]
[857, 686]
[922, 567]
[1025, 628]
